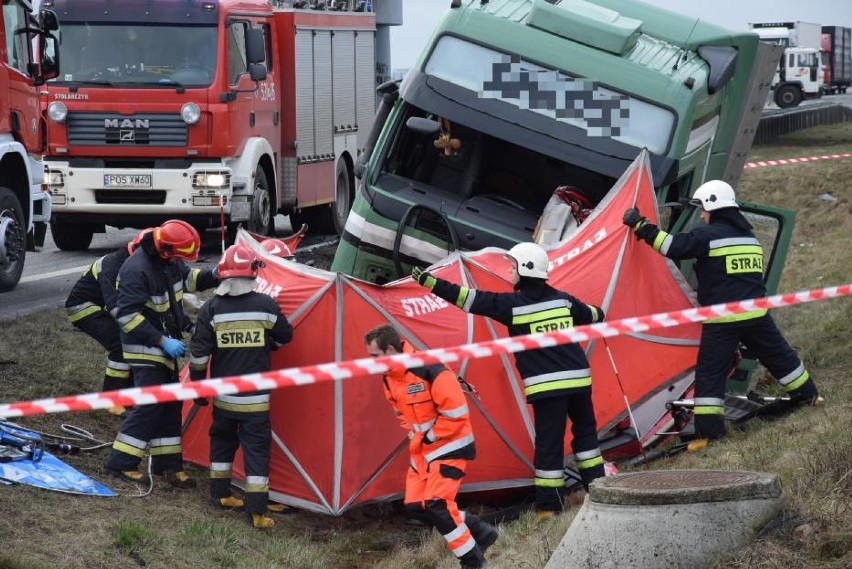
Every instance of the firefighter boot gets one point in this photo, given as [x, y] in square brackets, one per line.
[179, 479]
[473, 559]
[260, 521]
[483, 533]
[227, 503]
[807, 394]
[130, 476]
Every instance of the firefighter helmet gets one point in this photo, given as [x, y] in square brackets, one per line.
[278, 248]
[131, 247]
[176, 239]
[238, 262]
[713, 195]
[531, 260]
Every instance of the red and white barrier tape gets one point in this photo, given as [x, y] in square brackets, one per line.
[785, 161]
[368, 366]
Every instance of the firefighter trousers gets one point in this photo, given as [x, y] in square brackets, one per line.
[551, 416]
[764, 341]
[435, 492]
[103, 328]
[154, 427]
[252, 432]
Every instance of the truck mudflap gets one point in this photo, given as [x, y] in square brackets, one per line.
[759, 81]
[42, 208]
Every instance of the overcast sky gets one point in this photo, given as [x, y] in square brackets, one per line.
[421, 16]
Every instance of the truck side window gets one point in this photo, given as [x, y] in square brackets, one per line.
[18, 53]
[237, 59]
[267, 36]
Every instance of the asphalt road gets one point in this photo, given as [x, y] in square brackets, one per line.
[50, 273]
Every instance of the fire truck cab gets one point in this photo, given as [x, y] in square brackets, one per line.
[205, 108]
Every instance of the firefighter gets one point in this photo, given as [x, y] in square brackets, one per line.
[430, 404]
[278, 248]
[234, 333]
[91, 308]
[151, 284]
[557, 380]
[729, 267]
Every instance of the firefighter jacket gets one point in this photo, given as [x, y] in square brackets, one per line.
[547, 372]
[150, 290]
[235, 334]
[429, 403]
[729, 260]
[96, 290]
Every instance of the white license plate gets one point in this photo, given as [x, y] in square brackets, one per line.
[127, 180]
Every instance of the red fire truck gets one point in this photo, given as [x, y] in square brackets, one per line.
[197, 108]
[24, 205]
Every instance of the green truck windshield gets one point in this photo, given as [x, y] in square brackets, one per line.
[581, 103]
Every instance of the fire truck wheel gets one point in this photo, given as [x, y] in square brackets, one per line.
[342, 197]
[261, 207]
[71, 236]
[12, 240]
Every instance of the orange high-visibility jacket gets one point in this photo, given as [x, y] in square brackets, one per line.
[430, 404]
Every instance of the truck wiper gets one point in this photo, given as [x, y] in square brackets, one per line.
[169, 83]
[98, 82]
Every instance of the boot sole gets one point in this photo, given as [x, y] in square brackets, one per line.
[119, 474]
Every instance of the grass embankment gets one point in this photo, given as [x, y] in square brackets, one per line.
[811, 450]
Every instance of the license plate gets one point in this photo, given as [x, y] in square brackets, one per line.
[127, 180]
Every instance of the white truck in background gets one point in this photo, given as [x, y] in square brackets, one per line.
[801, 70]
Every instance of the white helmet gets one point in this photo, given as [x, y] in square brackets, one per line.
[715, 194]
[531, 259]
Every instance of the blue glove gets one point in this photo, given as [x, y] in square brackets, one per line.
[216, 272]
[175, 348]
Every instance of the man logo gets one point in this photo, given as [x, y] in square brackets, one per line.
[127, 123]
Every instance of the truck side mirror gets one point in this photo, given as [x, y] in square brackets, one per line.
[49, 21]
[255, 46]
[48, 67]
[422, 125]
[257, 71]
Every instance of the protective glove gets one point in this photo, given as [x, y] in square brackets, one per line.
[216, 272]
[174, 348]
[633, 219]
[423, 278]
[201, 401]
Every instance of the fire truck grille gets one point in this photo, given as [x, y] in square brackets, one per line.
[144, 129]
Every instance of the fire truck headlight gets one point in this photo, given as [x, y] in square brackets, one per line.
[57, 111]
[211, 180]
[190, 113]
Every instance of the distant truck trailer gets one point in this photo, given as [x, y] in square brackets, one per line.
[837, 51]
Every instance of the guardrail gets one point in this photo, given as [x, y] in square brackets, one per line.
[775, 123]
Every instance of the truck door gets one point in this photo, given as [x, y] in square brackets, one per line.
[23, 112]
[773, 226]
[253, 112]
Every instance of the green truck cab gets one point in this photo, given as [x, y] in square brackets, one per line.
[514, 98]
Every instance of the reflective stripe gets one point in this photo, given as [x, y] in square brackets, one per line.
[736, 250]
[460, 411]
[257, 484]
[422, 427]
[449, 447]
[541, 306]
[191, 280]
[731, 241]
[244, 399]
[165, 449]
[80, 311]
[118, 365]
[253, 408]
[793, 375]
[130, 321]
[587, 454]
[736, 317]
[596, 314]
[549, 482]
[117, 373]
[465, 547]
[564, 374]
[199, 362]
[549, 474]
[708, 401]
[158, 303]
[165, 441]
[244, 316]
[462, 297]
[221, 466]
[456, 533]
[127, 449]
[471, 296]
[132, 441]
[662, 242]
[562, 312]
[555, 385]
[709, 406]
[135, 352]
[590, 462]
[798, 382]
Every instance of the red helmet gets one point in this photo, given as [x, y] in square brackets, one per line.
[176, 239]
[131, 247]
[278, 248]
[239, 261]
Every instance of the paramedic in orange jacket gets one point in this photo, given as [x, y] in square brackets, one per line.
[431, 406]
